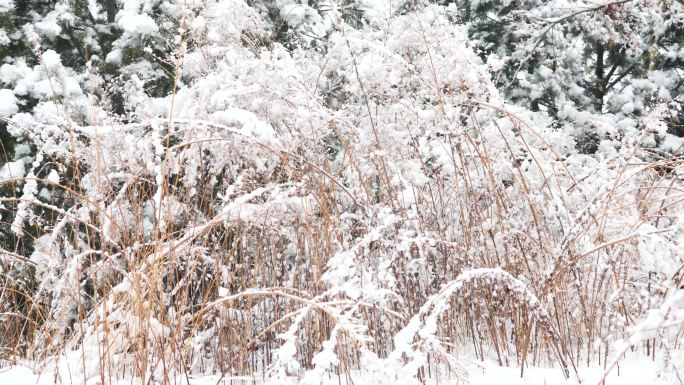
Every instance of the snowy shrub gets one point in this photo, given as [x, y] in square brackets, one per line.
[300, 191]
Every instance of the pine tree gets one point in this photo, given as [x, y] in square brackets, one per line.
[614, 62]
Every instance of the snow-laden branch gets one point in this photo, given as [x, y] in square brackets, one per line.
[423, 325]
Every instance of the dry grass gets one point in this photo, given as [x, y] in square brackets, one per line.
[158, 278]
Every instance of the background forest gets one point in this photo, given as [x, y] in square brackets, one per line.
[357, 191]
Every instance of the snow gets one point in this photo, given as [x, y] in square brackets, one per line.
[8, 103]
[21, 149]
[53, 176]
[635, 369]
[51, 59]
[377, 10]
[20, 375]
[223, 292]
[138, 24]
[49, 26]
[6, 5]
[114, 56]
[293, 14]
[12, 170]
[95, 10]
[363, 182]
[4, 38]
[673, 144]
[249, 123]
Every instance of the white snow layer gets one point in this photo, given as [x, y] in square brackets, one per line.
[6, 5]
[293, 14]
[138, 24]
[634, 370]
[8, 103]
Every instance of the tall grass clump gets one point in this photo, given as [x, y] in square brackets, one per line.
[291, 216]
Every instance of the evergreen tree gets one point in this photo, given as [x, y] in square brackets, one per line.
[588, 65]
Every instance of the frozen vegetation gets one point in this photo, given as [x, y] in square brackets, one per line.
[341, 192]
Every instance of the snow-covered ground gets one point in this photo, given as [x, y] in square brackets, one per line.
[633, 370]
